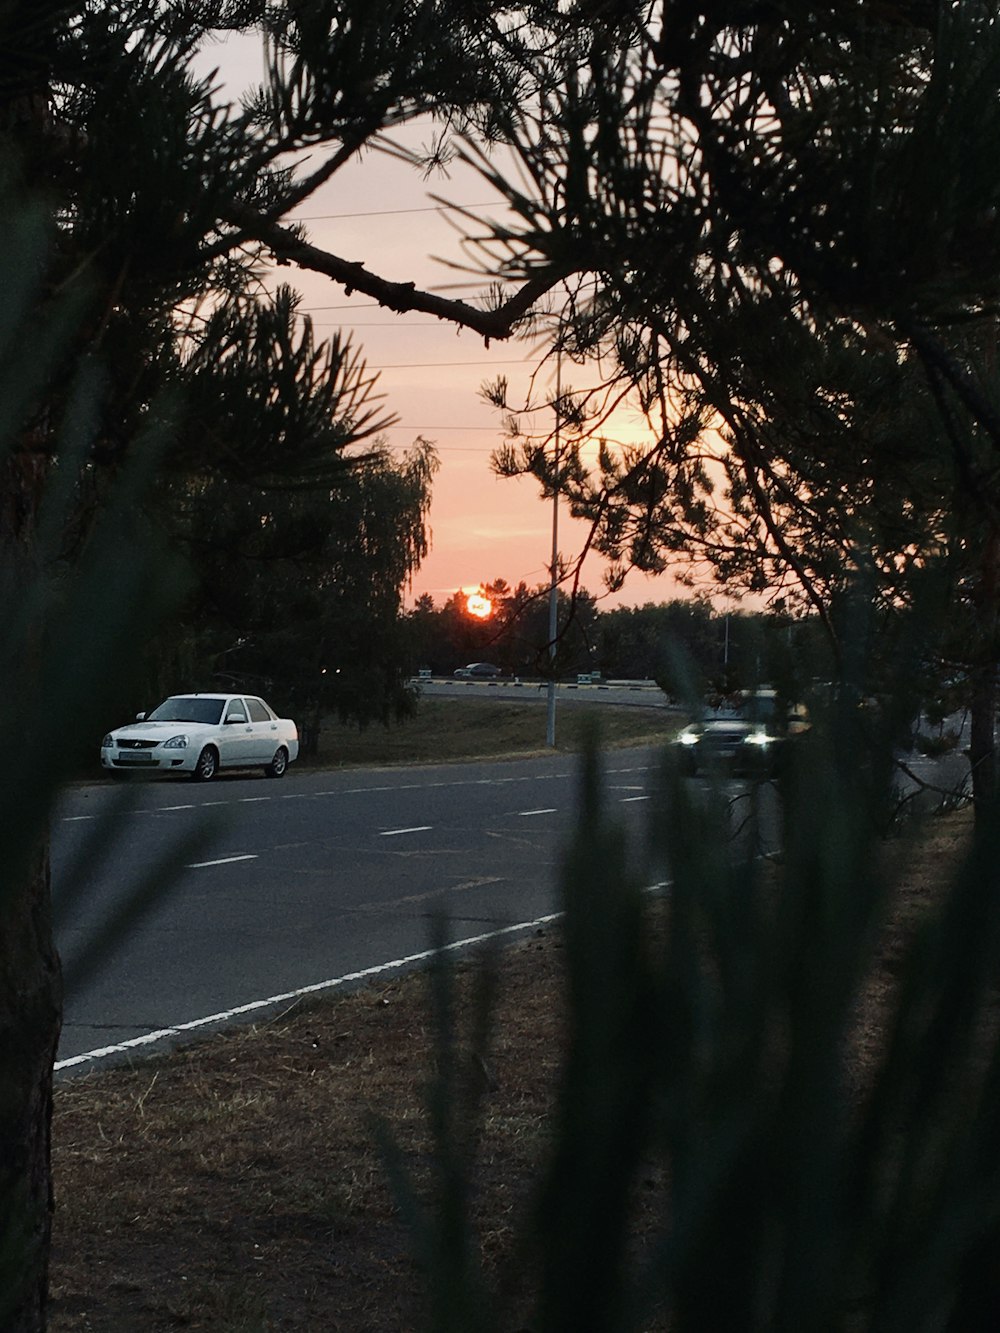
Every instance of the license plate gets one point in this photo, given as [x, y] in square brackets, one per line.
[131, 757]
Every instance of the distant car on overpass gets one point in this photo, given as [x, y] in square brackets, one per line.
[478, 669]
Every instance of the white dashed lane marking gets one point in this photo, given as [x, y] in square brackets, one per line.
[395, 832]
[356, 791]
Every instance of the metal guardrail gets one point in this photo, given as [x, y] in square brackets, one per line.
[534, 682]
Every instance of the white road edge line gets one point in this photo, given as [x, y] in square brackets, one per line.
[149, 1038]
[223, 861]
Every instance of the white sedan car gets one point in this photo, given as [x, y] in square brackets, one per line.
[200, 733]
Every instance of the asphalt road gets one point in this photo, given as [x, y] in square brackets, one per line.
[288, 885]
[318, 880]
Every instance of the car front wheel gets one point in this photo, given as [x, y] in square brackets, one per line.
[205, 768]
[278, 765]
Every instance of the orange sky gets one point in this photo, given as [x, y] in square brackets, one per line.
[379, 212]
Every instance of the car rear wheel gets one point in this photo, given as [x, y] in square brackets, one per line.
[278, 765]
[205, 768]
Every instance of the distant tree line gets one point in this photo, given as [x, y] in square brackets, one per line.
[682, 644]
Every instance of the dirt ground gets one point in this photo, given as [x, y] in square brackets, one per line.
[235, 1184]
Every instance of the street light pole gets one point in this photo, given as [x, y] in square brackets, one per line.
[550, 722]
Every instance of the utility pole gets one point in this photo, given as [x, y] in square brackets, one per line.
[550, 723]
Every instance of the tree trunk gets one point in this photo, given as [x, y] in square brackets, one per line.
[30, 975]
[30, 1020]
[309, 732]
[982, 748]
[983, 707]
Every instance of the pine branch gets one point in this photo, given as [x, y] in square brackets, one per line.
[401, 297]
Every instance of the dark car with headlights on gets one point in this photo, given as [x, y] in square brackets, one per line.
[745, 739]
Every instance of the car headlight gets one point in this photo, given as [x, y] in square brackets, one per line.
[689, 738]
[760, 738]
[108, 742]
[176, 743]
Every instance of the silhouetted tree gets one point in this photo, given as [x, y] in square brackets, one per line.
[773, 245]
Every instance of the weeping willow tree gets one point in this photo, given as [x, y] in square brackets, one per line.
[299, 592]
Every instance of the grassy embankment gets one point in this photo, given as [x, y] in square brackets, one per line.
[451, 729]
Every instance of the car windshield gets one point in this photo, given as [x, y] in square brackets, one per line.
[182, 709]
[759, 708]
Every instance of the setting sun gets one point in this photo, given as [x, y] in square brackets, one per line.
[479, 606]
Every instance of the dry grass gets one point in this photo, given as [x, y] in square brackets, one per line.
[234, 1185]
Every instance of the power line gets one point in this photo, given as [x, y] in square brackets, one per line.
[390, 212]
[447, 449]
[441, 365]
[468, 448]
[400, 426]
[380, 324]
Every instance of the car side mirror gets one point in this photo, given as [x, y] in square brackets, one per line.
[140, 717]
[233, 719]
